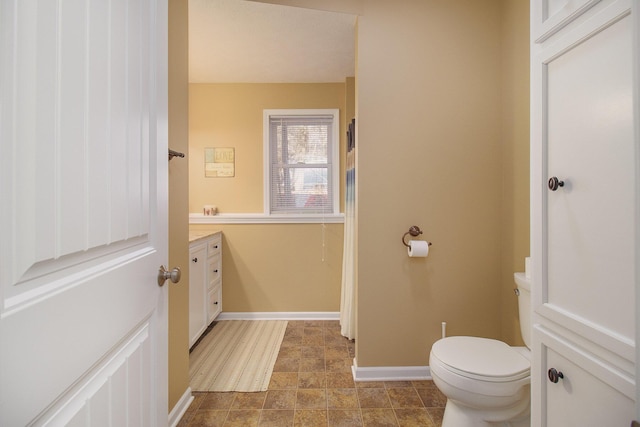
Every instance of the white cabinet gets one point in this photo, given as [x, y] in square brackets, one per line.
[205, 283]
[583, 218]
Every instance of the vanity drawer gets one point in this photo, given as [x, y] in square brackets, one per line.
[214, 245]
[214, 270]
[214, 303]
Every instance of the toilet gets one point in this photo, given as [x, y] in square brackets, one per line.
[486, 382]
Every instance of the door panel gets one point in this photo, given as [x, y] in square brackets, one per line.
[590, 221]
[83, 176]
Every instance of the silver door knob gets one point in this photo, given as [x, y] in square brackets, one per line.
[164, 274]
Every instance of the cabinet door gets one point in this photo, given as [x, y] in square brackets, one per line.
[197, 292]
[584, 223]
[588, 223]
[588, 394]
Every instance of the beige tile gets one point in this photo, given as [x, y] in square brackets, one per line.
[406, 397]
[432, 397]
[249, 400]
[287, 365]
[280, 399]
[312, 340]
[310, 418]
[379, 418]
[293, 333]
[312, 331]
[283, 380]
[340, 380]
[370, 384]
[293, 352]
[342, 398]
[217, 400]
[336, 352]
[312, 365]
[436, 415]
[333, 339]
[311, 399]
[313, 352]
[413, 418]
[344, 418]
[293, 324]
[373, 398]
[242, 418]
[423, 384]
[278, 418]
[397, 384]
[333, 331]
[314, 323]
[198, 398]
[338, 365]
[312, 380]
[208, 418]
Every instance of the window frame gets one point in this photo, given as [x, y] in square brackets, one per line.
[333, 158]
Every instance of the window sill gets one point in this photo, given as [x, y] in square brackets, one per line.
[259, 218]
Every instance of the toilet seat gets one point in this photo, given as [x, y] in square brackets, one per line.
[481, 359]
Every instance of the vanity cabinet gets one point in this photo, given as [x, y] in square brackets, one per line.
[205, 282]
[583, 196]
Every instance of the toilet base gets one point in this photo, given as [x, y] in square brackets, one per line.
[456, 415]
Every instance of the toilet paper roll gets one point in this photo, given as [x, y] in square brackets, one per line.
[418, 248]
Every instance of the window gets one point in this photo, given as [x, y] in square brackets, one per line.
[301, 161]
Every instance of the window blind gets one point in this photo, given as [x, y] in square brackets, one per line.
[300, 163]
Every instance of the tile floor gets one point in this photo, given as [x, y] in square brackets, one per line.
[312, 385]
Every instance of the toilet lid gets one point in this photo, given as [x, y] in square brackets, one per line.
[481, 358]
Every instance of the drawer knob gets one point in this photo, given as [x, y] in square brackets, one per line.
[554, 183]
[195, 259]
[555, 376]
[215, 247]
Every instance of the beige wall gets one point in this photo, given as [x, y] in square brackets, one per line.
[442, 101]
[256, 257]
[515, 157]
[178, 201]
[230, 115]
[429, 154]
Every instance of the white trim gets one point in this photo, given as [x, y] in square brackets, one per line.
[260, 218]
[282, 315]
[180, 408]
[390, 373]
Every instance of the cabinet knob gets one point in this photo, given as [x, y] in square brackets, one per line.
[216, 303]
[555, 376]
[215, 271]
[195, 259]
[554, 183]
[215, 247]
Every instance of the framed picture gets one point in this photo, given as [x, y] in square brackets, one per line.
[219, 162]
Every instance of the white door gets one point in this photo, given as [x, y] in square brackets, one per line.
[83, 215]
[584, 214]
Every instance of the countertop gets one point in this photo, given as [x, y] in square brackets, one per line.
[195, 235]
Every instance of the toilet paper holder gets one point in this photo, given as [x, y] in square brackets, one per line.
[414, 231]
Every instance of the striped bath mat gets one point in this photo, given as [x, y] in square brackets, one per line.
[236, 355]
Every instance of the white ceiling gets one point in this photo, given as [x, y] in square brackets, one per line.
[238, 41]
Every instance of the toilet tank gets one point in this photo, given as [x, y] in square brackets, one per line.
[524, 306]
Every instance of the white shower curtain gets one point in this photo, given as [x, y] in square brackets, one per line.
[347, 303]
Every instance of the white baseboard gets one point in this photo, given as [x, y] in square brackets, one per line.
[280, 315]
[390, 373]
[181, 407]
